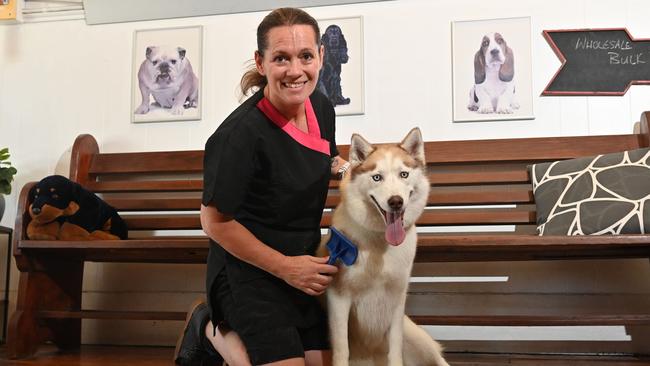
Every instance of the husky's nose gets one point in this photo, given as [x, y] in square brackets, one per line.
[36, 210]
[396, 203]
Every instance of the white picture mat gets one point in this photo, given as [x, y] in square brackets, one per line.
[466, 41]
[191, 39]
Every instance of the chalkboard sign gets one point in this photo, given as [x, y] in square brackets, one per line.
[597, 61]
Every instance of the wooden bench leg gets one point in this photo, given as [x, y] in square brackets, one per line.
[57, 287]
[23, 336]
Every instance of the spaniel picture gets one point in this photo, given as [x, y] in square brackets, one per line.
[341, 76]
[336, 54]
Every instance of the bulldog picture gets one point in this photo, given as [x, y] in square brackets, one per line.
[167, 75]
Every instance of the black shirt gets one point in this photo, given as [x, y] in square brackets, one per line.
[271, 183]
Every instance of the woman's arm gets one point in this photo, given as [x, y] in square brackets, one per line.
[306, 273]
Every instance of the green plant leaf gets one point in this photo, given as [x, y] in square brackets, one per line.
[7, 173]
[5, 187]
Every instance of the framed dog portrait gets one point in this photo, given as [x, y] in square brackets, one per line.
[166, 76]
[341, 77]
[491, 68]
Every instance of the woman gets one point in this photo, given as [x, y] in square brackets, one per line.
[266, 173]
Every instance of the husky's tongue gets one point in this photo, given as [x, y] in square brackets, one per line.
[395, 233]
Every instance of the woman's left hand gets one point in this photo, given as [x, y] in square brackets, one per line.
[309, 274]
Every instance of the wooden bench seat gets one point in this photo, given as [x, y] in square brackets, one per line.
[474, 184]
[431, 248]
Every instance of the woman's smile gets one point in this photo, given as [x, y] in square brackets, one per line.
[291, 64]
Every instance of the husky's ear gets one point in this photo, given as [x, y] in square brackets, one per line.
[413, 144]
[359, 149]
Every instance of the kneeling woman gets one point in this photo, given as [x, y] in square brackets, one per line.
[267, 169]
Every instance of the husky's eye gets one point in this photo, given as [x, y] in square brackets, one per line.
[377, 177]
[404, 175]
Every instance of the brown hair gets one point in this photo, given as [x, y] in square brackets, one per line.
[278, 17]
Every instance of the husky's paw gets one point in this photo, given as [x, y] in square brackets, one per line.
[340, 362]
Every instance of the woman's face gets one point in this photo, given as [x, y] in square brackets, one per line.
[291, 64]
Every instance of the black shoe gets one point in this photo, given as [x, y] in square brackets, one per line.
[193, 348]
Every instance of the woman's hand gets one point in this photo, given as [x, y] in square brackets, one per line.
[309, 274]
[338, 167]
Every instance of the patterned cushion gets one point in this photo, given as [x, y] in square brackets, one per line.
[604, 194]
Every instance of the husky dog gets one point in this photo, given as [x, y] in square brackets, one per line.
[381, 198]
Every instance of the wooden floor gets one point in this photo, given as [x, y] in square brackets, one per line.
[159, 356]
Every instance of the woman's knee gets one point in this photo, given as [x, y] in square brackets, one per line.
[230, 346]
[318, 358]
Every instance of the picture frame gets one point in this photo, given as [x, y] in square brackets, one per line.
[341, 77]
[497, 87]
[167, 68]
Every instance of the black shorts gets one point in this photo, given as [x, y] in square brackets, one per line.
[274, 320]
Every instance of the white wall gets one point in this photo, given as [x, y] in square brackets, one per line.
[60, 79]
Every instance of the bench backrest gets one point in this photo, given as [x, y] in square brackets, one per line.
[486, 183]
[151, 190]
[476, 185]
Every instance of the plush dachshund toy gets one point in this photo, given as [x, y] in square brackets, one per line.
[63, 210]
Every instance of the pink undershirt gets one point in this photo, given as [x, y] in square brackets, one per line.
[311, 139]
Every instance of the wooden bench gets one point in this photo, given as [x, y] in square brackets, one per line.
[161, 191]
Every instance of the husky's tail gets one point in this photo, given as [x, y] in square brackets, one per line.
[419, 348]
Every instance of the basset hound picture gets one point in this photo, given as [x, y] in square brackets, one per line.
[494, 77]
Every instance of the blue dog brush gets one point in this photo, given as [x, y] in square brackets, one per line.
[342, 248]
